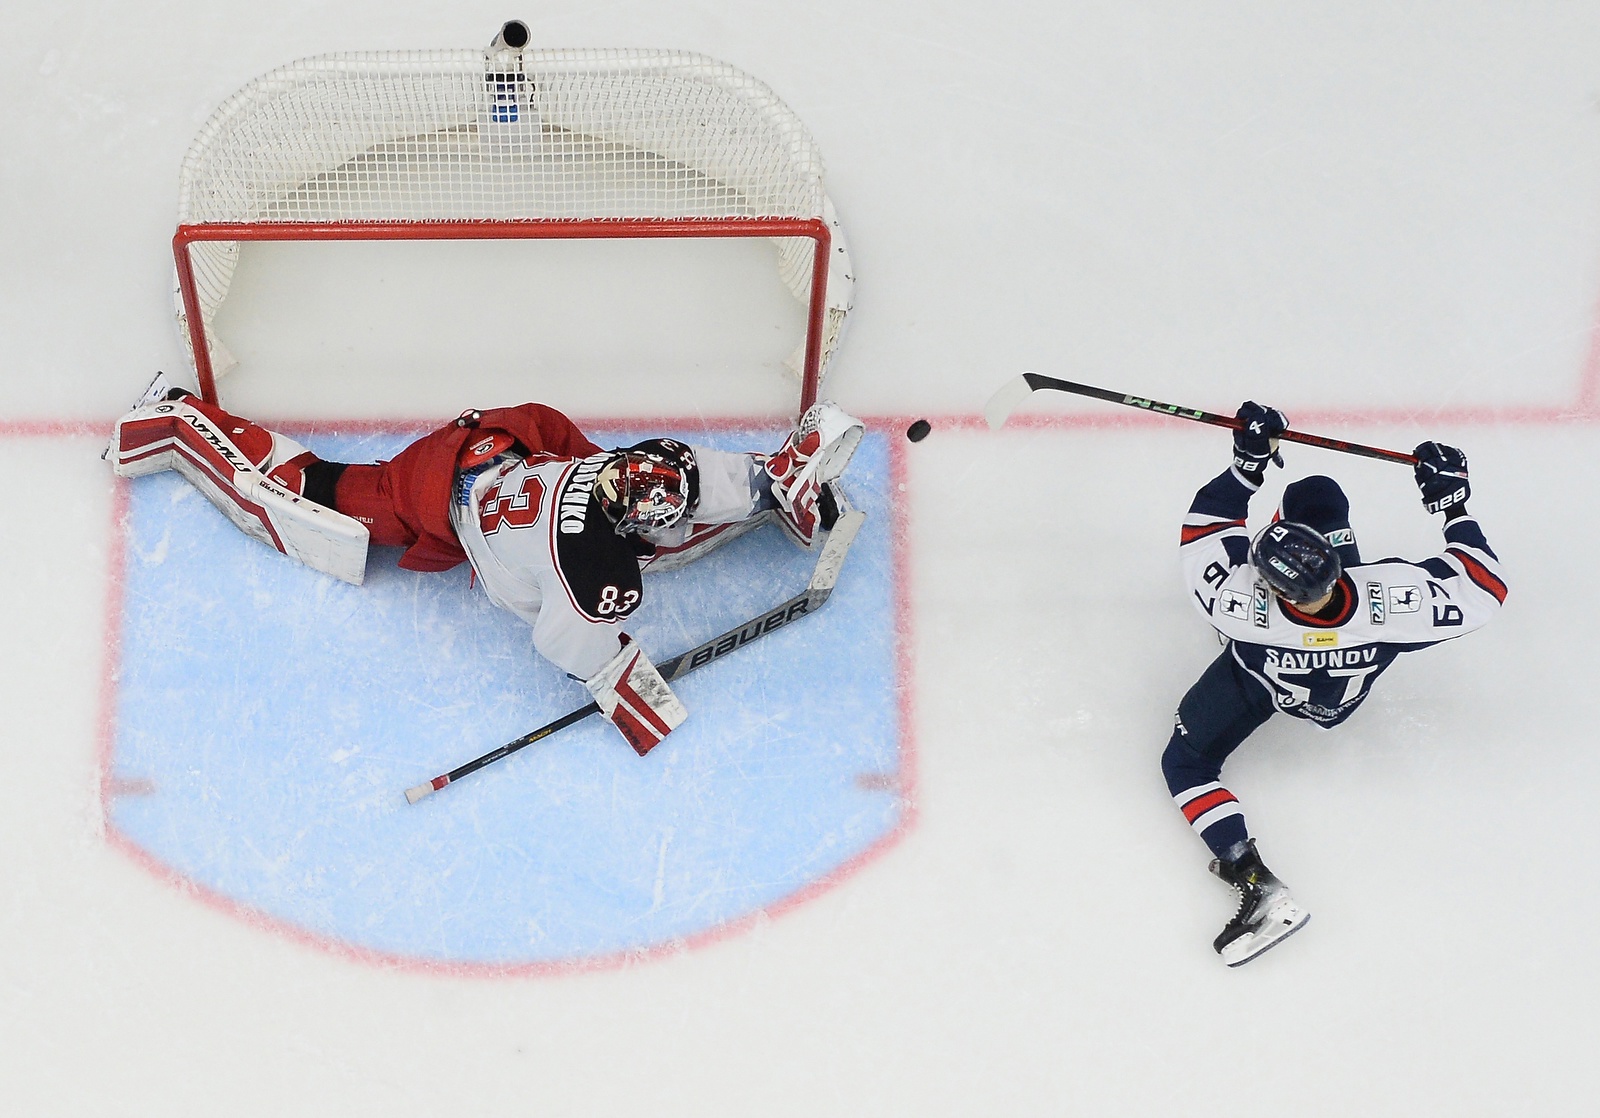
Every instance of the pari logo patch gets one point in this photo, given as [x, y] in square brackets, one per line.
[1283, 569]
[1320, 640]
[1376, 606]
[1263, 599]
[1405, 599]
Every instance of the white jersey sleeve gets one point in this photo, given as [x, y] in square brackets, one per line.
[1215, 542]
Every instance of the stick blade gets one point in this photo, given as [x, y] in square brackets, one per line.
[834, 549]
[1008, 399]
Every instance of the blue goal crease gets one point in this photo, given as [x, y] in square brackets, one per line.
[277, 714]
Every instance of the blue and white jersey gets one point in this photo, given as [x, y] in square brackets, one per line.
[1320, 667]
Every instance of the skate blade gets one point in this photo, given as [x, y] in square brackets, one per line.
[1275, 929]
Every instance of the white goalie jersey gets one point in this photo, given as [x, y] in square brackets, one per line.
[543, 549]
[1320, 667]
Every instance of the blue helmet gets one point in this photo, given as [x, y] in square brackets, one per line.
[1296, 560]
[1319, 502]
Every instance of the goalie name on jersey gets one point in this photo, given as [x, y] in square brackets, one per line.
[575, 497]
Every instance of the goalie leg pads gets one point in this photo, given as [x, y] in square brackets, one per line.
[815, 454]
[635, 698]
[735, 496]
[252, 475]
[701, 541]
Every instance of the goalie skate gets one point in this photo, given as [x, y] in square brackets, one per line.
[815, 454]
[1267, 913]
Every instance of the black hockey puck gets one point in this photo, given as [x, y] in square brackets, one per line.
[918, 430]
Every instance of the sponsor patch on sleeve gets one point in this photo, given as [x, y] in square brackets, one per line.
[1234, 604]
[1405, 599]
[1376, 603]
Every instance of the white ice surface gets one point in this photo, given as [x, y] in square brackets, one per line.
[1381, 206]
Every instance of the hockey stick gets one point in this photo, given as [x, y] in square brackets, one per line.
[1014, 391]
[823, 578]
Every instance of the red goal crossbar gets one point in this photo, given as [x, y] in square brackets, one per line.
[814, 228]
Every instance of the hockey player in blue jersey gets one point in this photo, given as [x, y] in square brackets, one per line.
[1309, 627]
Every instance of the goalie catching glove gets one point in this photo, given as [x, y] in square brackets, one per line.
[635, 698]
[815, 454]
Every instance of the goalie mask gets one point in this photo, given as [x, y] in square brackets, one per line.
[1295, 560]
[641, 492]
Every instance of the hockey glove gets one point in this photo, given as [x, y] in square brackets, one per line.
[635, 699]
[1441, 473]
[1256, 442]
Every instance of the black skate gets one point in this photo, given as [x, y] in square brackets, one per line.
[1267, 913]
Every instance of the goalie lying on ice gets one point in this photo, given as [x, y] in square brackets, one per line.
[557, 530]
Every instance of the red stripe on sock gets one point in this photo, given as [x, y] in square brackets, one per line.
[1198, 806]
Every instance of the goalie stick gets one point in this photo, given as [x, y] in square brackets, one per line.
[823, 578]
[1014, 391]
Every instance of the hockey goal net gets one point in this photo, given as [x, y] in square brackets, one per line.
[506, 143]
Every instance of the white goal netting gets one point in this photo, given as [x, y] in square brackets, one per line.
[506, 143]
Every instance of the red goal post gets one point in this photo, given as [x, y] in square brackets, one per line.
[507, 144]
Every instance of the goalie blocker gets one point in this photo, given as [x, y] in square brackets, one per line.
[633, 697]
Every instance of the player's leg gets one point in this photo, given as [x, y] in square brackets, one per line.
[407, 498]
[254, 476]
[167, 421]
[1222, 709]
[366, 491]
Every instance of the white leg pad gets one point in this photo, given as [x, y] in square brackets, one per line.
[702, 540]
[173, 436]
